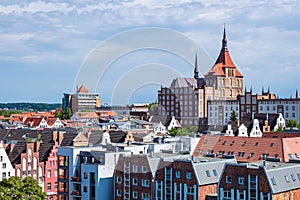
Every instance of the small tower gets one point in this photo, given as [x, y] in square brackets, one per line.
[196, 70]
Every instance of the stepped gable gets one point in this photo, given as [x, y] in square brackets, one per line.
[248, 121]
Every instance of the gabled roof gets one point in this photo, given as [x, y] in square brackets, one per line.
[181, 82]
[284, 175]
[208, 170]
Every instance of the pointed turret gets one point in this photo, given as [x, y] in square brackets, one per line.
[224, 41]
[262, 90]
[224, 60]
[296, 93]
[196, 70]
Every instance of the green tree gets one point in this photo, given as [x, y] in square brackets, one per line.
[280, 129]
[68, 114]
[233, 116]
[173, 132]
[291, 123]
[14, 189]
[59, 114]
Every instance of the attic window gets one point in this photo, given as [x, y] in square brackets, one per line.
[273, 181]
[297, 155]
[199, 151]
[291, 156]
[293, 177]
[244, 143]
[251, 155]
[256, 144]
[207, 173]
[224, 142]
[271, 145]
[286, 178]
[232, 143]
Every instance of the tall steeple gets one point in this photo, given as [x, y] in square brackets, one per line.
[224, 41]
[296, 93]
[196, 70]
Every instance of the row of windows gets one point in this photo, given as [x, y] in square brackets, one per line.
[145, 182]
[135, 194]
[241, 180]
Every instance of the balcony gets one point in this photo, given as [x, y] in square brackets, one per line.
[75, 192]
[75, 179]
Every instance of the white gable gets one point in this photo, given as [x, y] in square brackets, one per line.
[255, 132]
[243, 131]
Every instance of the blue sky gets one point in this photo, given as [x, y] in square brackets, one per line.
[44, 44]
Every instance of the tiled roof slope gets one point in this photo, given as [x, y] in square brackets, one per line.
[248, 149]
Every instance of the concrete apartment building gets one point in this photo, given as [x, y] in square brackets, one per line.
[167, 176]
[86, 172]
[260, 181]
[186, 98]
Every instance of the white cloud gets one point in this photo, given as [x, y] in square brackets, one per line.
[262, 35]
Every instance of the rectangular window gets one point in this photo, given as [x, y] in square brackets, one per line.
[227, 194]
[145, 183]
[119, 192]
[49, 174]
[134, 168]
[134, 195]
[190, 190]
[48, 186]
[134, 181]
[188, 175]
[177, 174]
[228, 179]
[119, 179]
[144, 169]
[3, 165]
[1, 158]
[241, 180]
[145, 196]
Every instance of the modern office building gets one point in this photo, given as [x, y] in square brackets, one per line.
[82, 100]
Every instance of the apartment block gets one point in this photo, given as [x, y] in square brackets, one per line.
[260, 181]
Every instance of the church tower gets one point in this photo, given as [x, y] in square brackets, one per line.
[224, 78]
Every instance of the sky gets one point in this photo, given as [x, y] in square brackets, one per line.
[126, 50]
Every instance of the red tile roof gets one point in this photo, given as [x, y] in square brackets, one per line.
[248, 149]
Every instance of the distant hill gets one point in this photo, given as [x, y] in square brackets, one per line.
[30, 106]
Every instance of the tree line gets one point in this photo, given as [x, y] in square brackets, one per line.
[30, 106]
